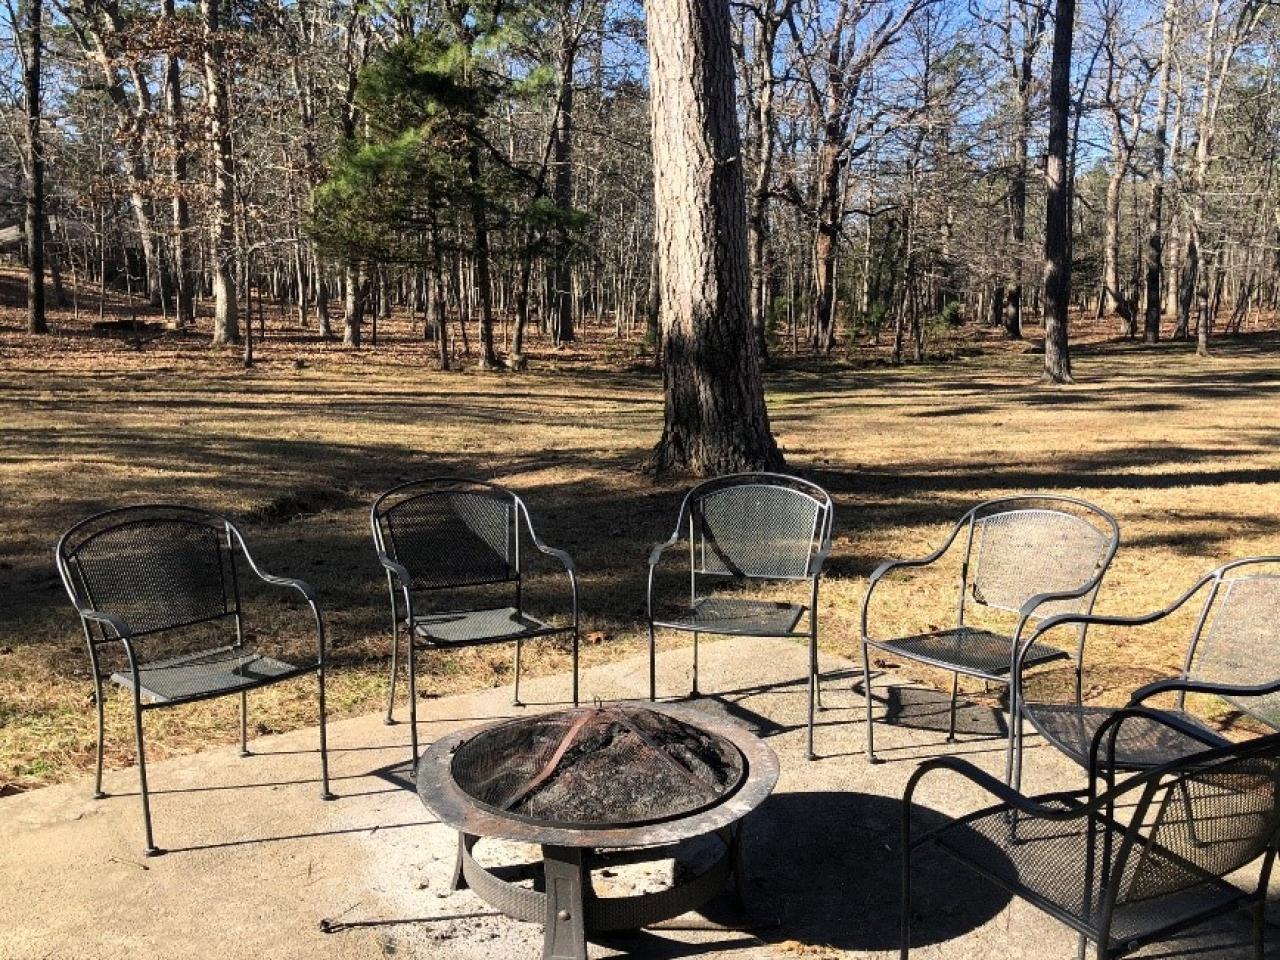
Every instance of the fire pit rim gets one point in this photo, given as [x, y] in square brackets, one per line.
[456, 808]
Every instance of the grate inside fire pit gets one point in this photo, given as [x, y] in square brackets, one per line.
[604, 766]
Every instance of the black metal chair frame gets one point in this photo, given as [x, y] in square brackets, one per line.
[1183, 684]
[687, 522]
[102, 626]
[1097, 811]
[1029, 611]
[401, 584]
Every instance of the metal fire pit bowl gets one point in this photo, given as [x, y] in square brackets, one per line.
[565, 903]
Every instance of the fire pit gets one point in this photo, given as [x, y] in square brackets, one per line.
[597, 787]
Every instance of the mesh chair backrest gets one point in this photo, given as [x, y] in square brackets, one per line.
[1205, 819]
[1241, 643]
[452, 538]
[155, 573]
[758, 530]
[1019, 553]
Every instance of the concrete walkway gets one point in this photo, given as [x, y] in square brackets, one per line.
[259, 867]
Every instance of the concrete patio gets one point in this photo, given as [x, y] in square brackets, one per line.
[258, 866]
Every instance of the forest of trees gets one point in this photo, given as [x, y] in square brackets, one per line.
[488, 167]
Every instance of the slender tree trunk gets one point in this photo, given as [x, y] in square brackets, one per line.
[184, 312]
[1057, 246]
[1155, 216]
[34, 144]
[226, 328]
[560, 273]
[484, 282]
[715, 417]
[353, 304]
[1113, 300]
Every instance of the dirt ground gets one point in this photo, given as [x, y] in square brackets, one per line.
[1182, 450]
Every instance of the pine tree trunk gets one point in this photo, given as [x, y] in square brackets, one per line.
[484, 281]
[353, 316]
[562, 195]
[1057, 246]
[35, 212]
[715, 416]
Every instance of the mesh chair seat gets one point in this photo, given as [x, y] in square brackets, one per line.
[465, 628]
[1046, 861]
[733, 615]
[1141, 743]
[208, 673]
[969, 650]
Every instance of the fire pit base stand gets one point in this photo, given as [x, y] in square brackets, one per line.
[568, 907]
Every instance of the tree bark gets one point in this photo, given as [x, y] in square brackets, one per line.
[560, 274]
[226, 328]
[1057, 233]
[35, 211]
[184, 284]
[1022, 64]
[715, 417]
[484, 282]
[1155, 216]
[353, 303]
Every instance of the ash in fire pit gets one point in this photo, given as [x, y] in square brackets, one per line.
[607, 766]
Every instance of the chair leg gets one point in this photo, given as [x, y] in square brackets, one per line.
[813, 690]
[1260, 929]
[244, 724]
[413, 705]
[395, 650]
[97, 777]
[653, 665]
[906, 903]
[515, 696]
[1012, 746]
[866, 691]
[151, 850]
[694, 691]
[575, 665]
[955, 689]
[325, 792]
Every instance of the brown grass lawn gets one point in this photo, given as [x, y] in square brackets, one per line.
[1183, 451]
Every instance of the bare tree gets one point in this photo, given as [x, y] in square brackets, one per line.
[1057, 230]
[226, 328]
[28, 20]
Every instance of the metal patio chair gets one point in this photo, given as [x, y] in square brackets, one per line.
[1233, 654]
[1121, 884]
[137, 573]
[442, 537]
[1032, 556]
[740, 528]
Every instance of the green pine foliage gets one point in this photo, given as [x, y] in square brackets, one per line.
[424, 158]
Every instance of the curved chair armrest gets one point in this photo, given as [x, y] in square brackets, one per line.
[541, 547]
[1050, 624]
[656, 551]
[1032, 806]
[289, 583]
[561, 555]
[400, 572]
[819, 560]
[121, 629]
[889, 566]
[1201, 686]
